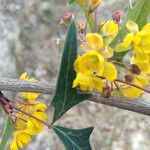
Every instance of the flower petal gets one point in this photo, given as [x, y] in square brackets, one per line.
[132, 92]
[40, 107]
[108, 52]
[126, 45]
[132, 26]
[110, 72]
[95, 40]
[85, 82]
[109, 30]
[24, 76]
[146, 28]
[143, 79]
[99, 84]
[13, 145]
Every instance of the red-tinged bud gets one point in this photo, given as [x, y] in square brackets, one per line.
[68, 17]
[81, 27]
[129, 78]
[135, 69]
[116, 16]
[106, 91]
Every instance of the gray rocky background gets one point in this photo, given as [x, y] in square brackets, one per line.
[28, 33]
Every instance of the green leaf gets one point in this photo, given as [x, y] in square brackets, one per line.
[9, 128]
[71, 1]
[65, 96]
[74, 139]
[139, 14]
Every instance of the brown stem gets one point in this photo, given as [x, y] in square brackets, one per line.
[136, 86]
[95, 20]
[87, 20]
[117, 86]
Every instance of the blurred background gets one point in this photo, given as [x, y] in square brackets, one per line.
[31, 40]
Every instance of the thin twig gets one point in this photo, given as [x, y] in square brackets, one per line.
[49, 88]
[128, 83]
[30, 115]
[95, 20]
[87, 20]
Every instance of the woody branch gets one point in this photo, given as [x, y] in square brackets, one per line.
[46, 87]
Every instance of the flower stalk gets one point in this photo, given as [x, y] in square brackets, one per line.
[8, 109]
[128, 83]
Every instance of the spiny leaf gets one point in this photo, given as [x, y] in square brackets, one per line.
[65, 96]
[139, 14]
[74, 139]
[9, 128]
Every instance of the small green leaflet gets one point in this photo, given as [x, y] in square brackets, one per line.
[139, 14]
[71, 1]
[74, 139]
[65, 96]
[9, 128]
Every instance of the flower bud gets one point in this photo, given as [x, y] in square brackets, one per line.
[68, 17]
[106, 92]
[81, 27]
[135, 69]
[116, 16]
[93, 4]
[129, 78]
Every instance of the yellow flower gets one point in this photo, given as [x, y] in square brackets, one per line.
[133, 92]
[27, 95]
[93, 4]
[90, 65]
[20, 140]
[139, 40]
[110, 72]
[142, 60]
[109, 31]
[88, 82]
[95, 42]
[26, 126]
[130, 91]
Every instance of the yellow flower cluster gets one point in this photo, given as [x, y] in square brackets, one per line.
[94, 62]
[95, 70]
[25, 125]
[139, 42]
